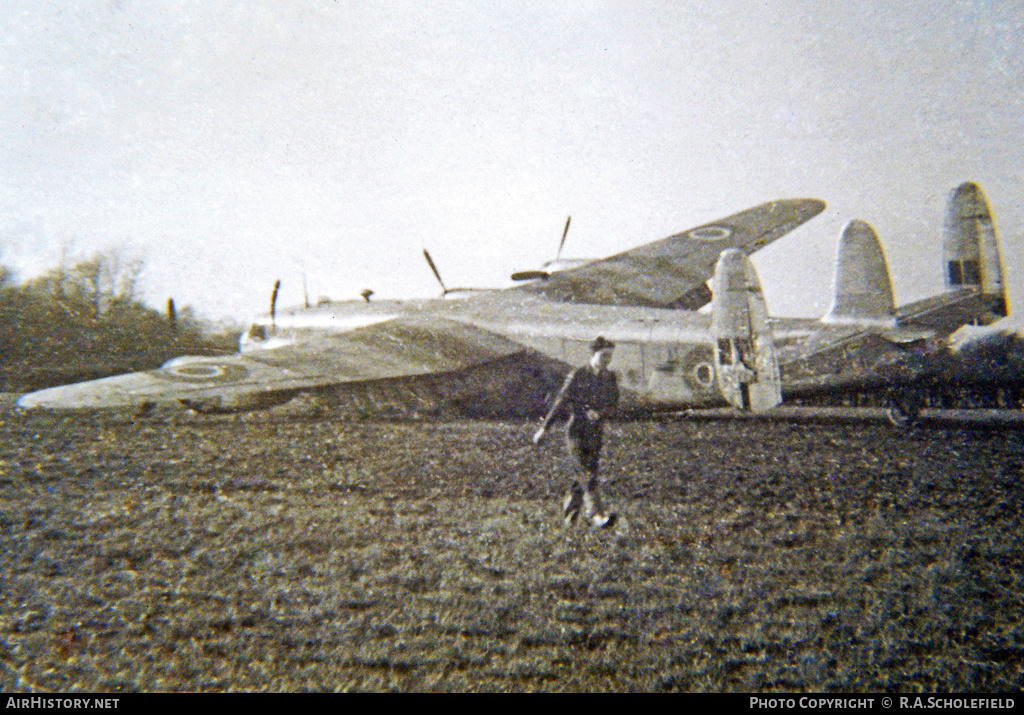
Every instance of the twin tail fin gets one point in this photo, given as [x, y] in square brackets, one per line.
[863, 289]
[971, 256]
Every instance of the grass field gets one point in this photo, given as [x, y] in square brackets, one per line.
[277, 552]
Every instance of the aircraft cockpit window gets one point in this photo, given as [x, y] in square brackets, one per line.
[257, 332]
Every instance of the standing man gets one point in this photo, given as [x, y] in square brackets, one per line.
[591, 394]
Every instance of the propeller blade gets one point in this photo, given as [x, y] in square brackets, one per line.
[530, 275]
[437, 275]
[273, 303]
[565, 233]
[172, 315]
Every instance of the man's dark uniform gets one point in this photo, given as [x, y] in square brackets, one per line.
[591, 395]
[585, 390]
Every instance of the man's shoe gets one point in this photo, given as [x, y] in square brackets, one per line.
[604, 522]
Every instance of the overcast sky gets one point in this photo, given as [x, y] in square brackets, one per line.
[230, 144]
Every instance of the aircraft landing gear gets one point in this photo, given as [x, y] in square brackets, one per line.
[903, 407]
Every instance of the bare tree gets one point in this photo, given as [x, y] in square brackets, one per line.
[95, 285]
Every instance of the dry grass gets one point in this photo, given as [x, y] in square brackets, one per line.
[281, 553]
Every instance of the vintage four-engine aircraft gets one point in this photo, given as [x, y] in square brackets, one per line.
[501, 352]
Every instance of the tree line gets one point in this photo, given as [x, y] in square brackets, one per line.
[85, 321]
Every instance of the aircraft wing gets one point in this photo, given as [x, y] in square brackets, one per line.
[401, 347]
[672, 272]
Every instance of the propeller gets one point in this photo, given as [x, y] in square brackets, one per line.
[172, 315]
[426, 254]
[542, 274]
[565, 233]
[273, 305]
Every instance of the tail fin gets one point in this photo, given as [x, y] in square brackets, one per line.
[746, 365]
[863, 287]
[971, 249]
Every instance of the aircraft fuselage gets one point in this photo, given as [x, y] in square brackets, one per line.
[664, 358]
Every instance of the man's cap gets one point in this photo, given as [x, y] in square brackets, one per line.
[600, 344]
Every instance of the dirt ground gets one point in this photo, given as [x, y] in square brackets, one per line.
[280, 552]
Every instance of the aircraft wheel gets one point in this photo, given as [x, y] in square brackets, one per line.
[904, 408]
